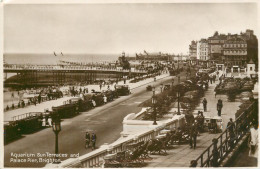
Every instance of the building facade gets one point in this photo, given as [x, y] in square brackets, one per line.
[193, 50]
[215, 44]
[234, 52]
[203, 50]
[252, 46]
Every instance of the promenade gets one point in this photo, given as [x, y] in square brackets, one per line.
[181, 155]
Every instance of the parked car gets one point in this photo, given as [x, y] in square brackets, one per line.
[122, 90]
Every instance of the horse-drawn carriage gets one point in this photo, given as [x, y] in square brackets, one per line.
[54, 95]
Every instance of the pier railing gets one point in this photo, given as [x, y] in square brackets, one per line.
[96, 157]
[222, 145]
[67, 67]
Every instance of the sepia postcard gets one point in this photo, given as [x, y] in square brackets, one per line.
[129, 84]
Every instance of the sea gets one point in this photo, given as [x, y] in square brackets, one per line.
[51, 59]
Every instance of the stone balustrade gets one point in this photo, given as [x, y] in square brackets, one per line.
[96, 157]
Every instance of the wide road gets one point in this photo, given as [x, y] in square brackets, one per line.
[105, 121]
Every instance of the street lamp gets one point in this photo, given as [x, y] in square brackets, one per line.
[56, 127]
[154, 101]
[178, 97]
[178, 66]
[161, 86]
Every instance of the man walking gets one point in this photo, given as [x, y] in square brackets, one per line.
[219, 107]
[231, 131]
[204, 102]
[93, 140]
[87, 139]
[193, 135]
[105, 99]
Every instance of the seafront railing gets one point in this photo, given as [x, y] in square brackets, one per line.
[96, 157]
[60, 67]
[222, 145]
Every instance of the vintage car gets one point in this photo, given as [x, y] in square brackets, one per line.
[11, 131]
[122, 90]
[213, 124]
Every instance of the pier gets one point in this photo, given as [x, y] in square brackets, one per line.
[62, 74]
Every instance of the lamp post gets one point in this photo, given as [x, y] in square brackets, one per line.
[124, 77]
[154, 108]
[161, 86]
[178, 66]
[56, 127]
[178, 97]
[172, 82]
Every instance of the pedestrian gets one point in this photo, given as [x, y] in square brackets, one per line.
[39, 98]
[105, 99]
[80, 90]
[219, 107]
[210, 78]
[108, 87]
[43, 121]
[50, 121]
[204, 102]
[231, 131]
[214, 78]
[100, 86]
[93, 140]
[220, 80]
[253, 141]
[87, 139]
[193, 135]
[93, 103]
[179, 135]
[200, 119]
[23, 104]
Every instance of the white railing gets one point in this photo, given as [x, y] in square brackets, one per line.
[96, 157]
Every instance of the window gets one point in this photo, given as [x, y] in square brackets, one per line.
[251, 68]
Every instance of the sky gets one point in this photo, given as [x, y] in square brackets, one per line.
[113, 28]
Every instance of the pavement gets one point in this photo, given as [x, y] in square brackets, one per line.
[181, 155]
[105, 121]
[229, 108]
